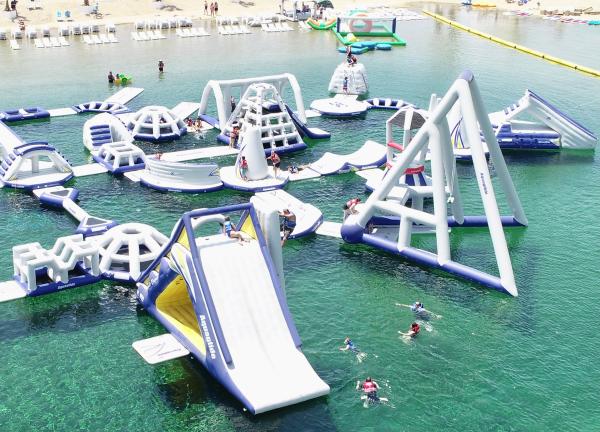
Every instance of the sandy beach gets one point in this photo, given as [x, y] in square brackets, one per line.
[44, 12]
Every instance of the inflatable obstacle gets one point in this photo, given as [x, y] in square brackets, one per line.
[381, 209]
[235, 322]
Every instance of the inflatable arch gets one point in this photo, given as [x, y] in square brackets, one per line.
[222, 90]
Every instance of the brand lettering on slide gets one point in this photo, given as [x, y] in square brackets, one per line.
[207, 338]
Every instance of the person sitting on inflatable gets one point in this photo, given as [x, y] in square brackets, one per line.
[230, 232]
[350, 207]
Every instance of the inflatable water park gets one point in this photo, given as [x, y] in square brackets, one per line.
[237, 323]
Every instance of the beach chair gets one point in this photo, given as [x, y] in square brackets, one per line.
[68, 16]
[110, 28]
[2, 34]
[112, 38]
[46, 31]
[59, 16]
[47, 43]
[38, 43]
[63, 41]
[31, 33]
[140, 25]
[172, 22]
[55, 43]
[85, 29]
[94, 28]
[104, 39]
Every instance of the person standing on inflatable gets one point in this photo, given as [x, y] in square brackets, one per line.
[161, 66]
[274, 158]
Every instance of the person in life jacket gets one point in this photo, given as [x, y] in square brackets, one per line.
[369, 388]
[349, 346]
[413, 331]
[419, 309]
[349, 207]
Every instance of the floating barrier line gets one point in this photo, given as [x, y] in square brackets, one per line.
[513, 45]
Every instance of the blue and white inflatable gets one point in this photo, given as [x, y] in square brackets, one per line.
[234, 319]
[156, 124]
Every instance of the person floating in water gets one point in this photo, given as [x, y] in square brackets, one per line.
[288, 225]
[370, 389]
[349, 346]
[418, 308]
[412, 332]
[161, 66]
[111, 77]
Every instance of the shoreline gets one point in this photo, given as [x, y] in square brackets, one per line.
[144, 10]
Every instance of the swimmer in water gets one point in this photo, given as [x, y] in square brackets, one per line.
[418, 308]
[349, 346]
[412, 332]
[370, 389]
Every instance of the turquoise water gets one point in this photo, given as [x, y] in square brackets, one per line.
[491, 363]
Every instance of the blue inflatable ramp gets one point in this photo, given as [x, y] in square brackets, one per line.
[221, 298]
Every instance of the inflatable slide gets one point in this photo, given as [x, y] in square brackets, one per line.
[234, 319]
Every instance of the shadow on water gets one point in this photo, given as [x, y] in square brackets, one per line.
[68, 311]
[195, 386]
[473, 297]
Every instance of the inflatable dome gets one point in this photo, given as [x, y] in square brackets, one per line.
[156, 124]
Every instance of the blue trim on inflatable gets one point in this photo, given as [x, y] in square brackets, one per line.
[51, 287]
[54, 200]
[14, 115]
[561, 113]
[96, 229]
[210, 120]
[430, 260]
[120, 170]
[167, 137]
[308, 231]
[190, 190]
[303, 128]
[468, 221]
[39, 185]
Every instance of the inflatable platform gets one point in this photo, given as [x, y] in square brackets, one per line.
[224, 302]
[187, 177]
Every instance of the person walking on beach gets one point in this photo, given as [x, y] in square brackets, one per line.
[161, 66]
[212, 9]
[216, 8]
[205, 7]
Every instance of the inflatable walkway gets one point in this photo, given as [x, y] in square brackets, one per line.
[223, 301]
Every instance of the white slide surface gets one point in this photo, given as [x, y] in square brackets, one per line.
[268, 369]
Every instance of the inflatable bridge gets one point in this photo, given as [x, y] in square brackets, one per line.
[223, 300]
